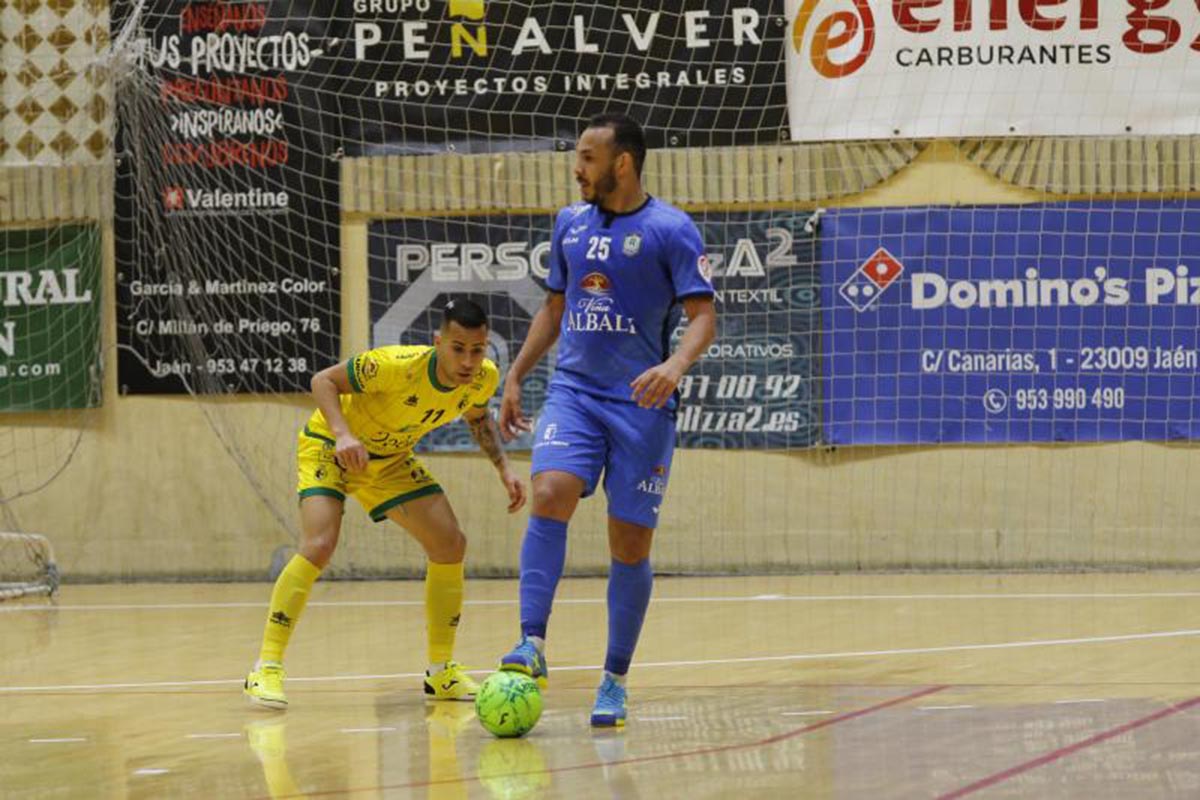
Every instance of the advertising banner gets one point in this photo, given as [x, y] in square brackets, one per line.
[227, 225]
[50, 323]
[753, 389]
[872, 69]
[417, 76]
[1037, 323]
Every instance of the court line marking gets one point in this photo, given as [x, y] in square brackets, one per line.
[213, 736]
[950, 648]
[1063, 752]
[759, 598]
[657, 719]
[803, 713]
[1081, 700]
[59, 740]
[151, 771]
[380, 729]
[619, 762]
[942, 708]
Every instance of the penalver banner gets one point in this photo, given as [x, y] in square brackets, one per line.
[50, 324]
[872, 69]
[434, 76]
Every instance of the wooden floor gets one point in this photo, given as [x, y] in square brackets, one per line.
[1045, 686]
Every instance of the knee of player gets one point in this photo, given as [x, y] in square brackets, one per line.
[630, 553]
[549, 501]
[319, 549]
[454, 548]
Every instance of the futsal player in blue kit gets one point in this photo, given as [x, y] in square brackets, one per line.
[622, 264]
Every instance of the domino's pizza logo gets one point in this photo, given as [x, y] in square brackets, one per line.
[868, 283]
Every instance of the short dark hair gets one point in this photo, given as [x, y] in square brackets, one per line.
[467, 313]
[628, 136]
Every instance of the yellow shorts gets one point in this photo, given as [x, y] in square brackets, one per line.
[386, 483]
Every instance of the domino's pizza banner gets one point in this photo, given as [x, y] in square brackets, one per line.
[753, 389]
[1037, 323]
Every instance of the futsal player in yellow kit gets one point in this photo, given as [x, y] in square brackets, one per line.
[371, 410]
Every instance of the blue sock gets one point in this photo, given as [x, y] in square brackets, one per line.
[543, 553]
[628, 598]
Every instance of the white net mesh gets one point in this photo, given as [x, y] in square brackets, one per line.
[54, 189]
[28, 565]
[243, 128]
[295, 184]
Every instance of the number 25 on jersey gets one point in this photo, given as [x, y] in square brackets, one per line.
[598, 248]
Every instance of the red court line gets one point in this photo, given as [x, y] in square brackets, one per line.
[703, 751]
[1063, 752]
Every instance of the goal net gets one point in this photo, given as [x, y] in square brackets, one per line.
[28, 565]
[292, 190]
[899, 289]
[55, 195]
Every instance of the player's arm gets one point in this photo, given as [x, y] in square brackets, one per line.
[654, 387]
[487, 436]
[327, 385]
[543, 333]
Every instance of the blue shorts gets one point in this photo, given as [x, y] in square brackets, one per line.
[585, 435]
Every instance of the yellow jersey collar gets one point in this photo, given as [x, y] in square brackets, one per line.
[433, 378]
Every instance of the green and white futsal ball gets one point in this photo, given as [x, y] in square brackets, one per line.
[508, 704]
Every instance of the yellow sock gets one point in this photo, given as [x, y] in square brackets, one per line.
[287, 603]
[443, 606]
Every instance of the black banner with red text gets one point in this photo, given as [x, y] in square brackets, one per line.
[227, 224]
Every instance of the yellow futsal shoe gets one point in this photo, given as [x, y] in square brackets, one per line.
[452, 683]
[264, 686]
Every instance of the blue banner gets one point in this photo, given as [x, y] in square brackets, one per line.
[1036, 323]
[754, 388]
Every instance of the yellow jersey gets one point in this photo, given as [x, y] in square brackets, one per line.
[398, 398]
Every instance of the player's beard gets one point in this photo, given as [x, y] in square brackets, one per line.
[602, 188]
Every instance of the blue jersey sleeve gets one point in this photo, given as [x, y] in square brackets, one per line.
[691, 274]
[556, 281]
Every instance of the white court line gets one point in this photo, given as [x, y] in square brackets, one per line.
[1084, 700]
[150, 771]
[657, 719]
[903, 651]
[942, 708]
[760, 598]
[59, 740]
[213, 736]
[803, 713]
[384, 729]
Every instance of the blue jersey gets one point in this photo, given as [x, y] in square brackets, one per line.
[623, 276]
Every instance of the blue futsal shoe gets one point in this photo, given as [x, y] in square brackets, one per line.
[609, 711]
[526, 659]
